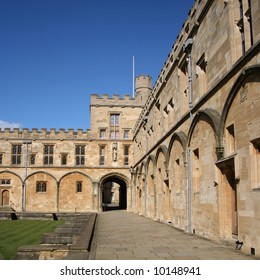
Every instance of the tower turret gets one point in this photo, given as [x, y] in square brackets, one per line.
[143, 87]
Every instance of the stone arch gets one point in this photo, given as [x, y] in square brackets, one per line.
[162, 184]
[212, 117]
[202, 145]
[239, 129]
[177, 179]
[242, 78]
[182, 138]
[13, 173]
[75, 192]
[107, 183]
[43, 172]
[74, 172]
[162, 149]
[43, 200]
[15, 189]
[115, 174]
[151, 158]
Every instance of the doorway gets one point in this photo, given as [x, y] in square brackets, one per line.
[114, 193]
[228, 199]
[5, 198]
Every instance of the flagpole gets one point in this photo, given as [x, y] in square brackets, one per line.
[133, 76]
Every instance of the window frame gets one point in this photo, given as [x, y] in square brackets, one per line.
[102, 155]
[48, 154]
[114, 121]
[41, 186]
[80, 155]
[126, 155]
[79, 186]
[16, 155]
[62, 156]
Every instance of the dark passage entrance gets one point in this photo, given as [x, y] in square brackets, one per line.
[114, 194]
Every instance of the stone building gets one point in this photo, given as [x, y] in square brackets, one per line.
[76, 171]
[185, 151]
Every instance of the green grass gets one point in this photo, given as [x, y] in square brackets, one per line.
[15, 233]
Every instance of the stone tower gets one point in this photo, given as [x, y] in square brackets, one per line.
[143, 87]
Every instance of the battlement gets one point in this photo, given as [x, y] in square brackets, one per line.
[114, 97]
[116, 100]
[189, 28]
[143, 81]
[176, 54]
[43, 133]
[143, 89]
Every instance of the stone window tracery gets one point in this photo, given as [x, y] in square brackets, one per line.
[41, 187]
[48, 154]
[16, 154]
[114, 126]
[80, 155]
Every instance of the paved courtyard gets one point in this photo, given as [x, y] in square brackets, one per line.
[126, 236]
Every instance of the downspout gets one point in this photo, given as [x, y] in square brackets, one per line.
[58, 197]
[146, 156]
[187, 49]
[26, 142]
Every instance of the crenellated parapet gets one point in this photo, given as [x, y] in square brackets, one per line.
[115, 100]
[143, 88]
[43, 133]
[177, 56]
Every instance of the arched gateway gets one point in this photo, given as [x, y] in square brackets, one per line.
[113, 193]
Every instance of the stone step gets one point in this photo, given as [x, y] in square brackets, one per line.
[6, 209]
[74, 237]
[58, 238]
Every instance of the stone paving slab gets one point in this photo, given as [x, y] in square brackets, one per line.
[127, 236]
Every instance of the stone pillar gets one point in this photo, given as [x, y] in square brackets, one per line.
[95, 197]
[58, 197]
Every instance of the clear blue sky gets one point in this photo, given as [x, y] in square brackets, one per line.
[55, 53]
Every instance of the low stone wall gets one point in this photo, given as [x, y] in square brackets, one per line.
[72, 238]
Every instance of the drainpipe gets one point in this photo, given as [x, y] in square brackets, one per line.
[187, 49]
[145, 119]
[25, 175]
[58, 197]
[189, 227]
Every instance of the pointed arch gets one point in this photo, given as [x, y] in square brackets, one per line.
[114, 175]
[162, 149]
[232, 94]
[142, 168]
[151, 158]
[212, 117]
[106, 185]
[182, 138]
[75, 172]
[42, 172]
[13, 173]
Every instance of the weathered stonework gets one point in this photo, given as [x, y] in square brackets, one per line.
[185, 151]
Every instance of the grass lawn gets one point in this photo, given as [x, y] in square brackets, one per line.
[15, 233]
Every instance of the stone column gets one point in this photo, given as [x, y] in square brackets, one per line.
[58, 197]
[95, 197]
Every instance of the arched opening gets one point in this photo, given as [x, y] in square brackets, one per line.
[113, 193]
[5, 198]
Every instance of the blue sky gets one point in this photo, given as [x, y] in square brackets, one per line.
[55, 53]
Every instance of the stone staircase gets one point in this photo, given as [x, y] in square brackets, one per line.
[72, 238]
[7, 213]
